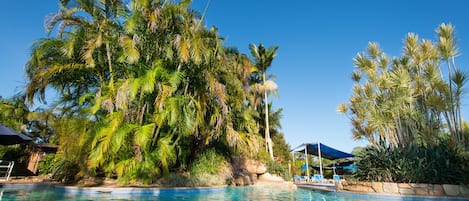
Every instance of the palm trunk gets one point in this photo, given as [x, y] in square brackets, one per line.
[458, 107]
[111, 74]
[267, 129]
[453, 126]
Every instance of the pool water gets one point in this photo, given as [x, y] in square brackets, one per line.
[229, 193]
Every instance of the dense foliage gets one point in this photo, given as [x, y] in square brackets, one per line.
[409, 109]
[145, 89]
[408, 100]
[441, 164]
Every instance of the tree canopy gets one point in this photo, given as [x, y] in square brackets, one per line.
[144, 88]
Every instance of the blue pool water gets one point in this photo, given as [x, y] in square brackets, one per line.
[50, 193]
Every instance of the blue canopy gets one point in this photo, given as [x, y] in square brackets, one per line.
[326, 151]
[323, 151]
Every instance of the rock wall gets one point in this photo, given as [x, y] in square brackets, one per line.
[246, 171]
[406, 188]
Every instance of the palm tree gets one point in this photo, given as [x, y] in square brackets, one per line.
[448, 51]
[156, 86]
[263, 58]
[14, 112]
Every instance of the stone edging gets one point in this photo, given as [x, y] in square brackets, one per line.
[448, 190]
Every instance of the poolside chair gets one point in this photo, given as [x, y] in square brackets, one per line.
[336, 178]
[5, 169]
[317, 178]
[296, 178]
[304, 179]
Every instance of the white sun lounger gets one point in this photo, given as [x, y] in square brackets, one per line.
[5, 169]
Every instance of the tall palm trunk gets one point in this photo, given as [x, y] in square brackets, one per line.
[268, 141]
[111, 74]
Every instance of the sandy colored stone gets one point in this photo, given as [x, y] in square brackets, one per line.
[352, 182]
[390, 188]
[451, 190]
[404, 185]
[269, 177]
[255, 167]
[421, 191]
[437, 190]
[348, 187]
[406, 191]
[419, 185]
[339, 186]
[360, 188]
[377, 186]
[368, 184]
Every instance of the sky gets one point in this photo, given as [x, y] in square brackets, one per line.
[317, 40]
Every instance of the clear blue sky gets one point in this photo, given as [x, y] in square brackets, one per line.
[317, 39]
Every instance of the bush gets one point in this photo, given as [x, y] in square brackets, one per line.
[48, 164]
[176, 180]
[279, 169]
[15, 153]
[210, 169]
[59, 168]
[439, 164]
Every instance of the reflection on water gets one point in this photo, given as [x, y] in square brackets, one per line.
[230, 193]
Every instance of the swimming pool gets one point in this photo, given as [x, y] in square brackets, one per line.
[49, 193]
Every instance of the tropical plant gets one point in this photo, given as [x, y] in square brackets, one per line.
[279, 169]
[145, 88]
[407, 101]
[440, 164]
[410, 112]
[13, 113]
[263, 59]
[48, 164]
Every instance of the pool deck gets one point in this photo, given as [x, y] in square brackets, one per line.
[331, 188]
[317, 186]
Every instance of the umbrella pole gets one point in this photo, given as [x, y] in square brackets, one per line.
[307, 166]
[320, 159]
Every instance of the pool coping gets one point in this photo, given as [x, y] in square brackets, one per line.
[319, 188]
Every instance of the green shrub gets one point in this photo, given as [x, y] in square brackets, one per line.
[48, 164]
[66, 172]
[15, 153]
[60, 168]
[176, 180]
[262, 156]
[280, 169]
[439, 164]
[210, 169]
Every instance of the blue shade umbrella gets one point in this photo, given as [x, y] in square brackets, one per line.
[9, 136]
[323, 151]
[303, 167]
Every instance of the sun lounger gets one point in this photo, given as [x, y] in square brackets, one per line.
[317, 178]
[336, 178]
[5, 169]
